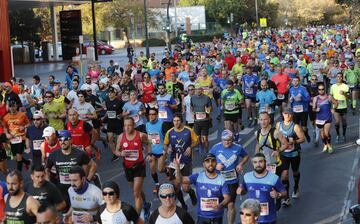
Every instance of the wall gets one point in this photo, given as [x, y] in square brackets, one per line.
[5, 56]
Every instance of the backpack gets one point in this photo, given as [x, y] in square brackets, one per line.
[274, 143]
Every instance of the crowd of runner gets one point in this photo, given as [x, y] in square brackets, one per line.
[153, 115]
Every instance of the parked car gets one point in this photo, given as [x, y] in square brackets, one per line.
[102, 47]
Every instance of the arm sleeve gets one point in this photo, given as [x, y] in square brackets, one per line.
[129, 212]
[184, 216]
[166, 139]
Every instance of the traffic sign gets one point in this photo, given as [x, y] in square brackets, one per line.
[263, 22]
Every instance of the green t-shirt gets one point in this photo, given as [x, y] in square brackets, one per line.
[351, 77]
[52, 110]
[275, 60]
[231, 101]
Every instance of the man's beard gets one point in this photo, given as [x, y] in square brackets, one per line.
[210, 169]
[14, 193]
[259, 170]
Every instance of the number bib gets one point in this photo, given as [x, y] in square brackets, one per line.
[154, 138]
[320, 122]
[37, 144]
[271, 168]
[298, 108]
[351, 86]
[136, 118]
[249, 91]
[281, 96]
[131, 155]
[76, 217]
[208, 204]
[16, 140]
[200, 115]
[163, 114]
[64, 178]
[230, 106]
[111, 114]
[229, 174]
[264, 209]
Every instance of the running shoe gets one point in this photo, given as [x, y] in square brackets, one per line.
[296, 194]
[330, 149]
[146, 207]
[325, 148]
[193, 197]
[343, 138]
[286, 202]
[115, 158]
[250, 122]
[337, 139]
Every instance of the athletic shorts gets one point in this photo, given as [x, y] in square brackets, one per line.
[191, 125]
[114, 129]
[138, 170]
[203, 220]
[17, 148]
[232, 191]
[158, 156]
[293, 161]
[341, 111]
[279, 102]
[320, 126]
[201, 128]
[185, 171]
[231, 117]
[3, 155]
[301, 118]
[96, 123]
[252, 98]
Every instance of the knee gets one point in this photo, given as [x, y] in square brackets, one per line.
[186, 187]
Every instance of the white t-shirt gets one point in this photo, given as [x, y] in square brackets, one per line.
[173, 220]
[84, 109]
[126, 215]
[93, 86]
[189, 115]
[72, 96]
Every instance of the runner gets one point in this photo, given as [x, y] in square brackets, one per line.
[282, 82]
[291, 155]
[135, 109]
[264, 186]
[189, 114]
[114, 210]
[54, 112]
[322, 106]
[168, 212]
[211, 188]
[230, 159]
[352, 77]
[47, 214]
[249, 84]
[312, 88]
[130, 146]
[155, 131]
[266, 100]
[250, 211]
[166, 104]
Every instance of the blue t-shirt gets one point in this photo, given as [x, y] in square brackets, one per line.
[156, 136]
[265, 97]
[229, 157]
[165, 113]
[259, 189]
[35, 135]
[209, 191]
[270, 73]
[179, 142]
[134, 112]
[154, 72]
[250, 85]
[183, 76]
[299, 106]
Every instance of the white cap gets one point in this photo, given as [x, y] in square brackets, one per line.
[104, 80]
[116, 86]
[48, 131]
[85, 87]
[38, 114]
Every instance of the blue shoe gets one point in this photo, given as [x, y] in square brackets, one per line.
[146, 207]
[236, 137]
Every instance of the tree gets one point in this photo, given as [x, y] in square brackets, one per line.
[24, 26]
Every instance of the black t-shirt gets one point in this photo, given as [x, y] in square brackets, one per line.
[126, 212]
[113, 107]
[47, 193]
[127, 87]
[184, 217]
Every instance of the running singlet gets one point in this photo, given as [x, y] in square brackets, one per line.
[165, 112]
[231, 101]
[324, 114]
[80, 138]
[156, 136]
[209, 193]
[299, 106]
[148, 95]
[281, 81]
[48, 149]
[289, 132]
[18, 215]
[229, 157]
[132, 149]
[250, 85]
[259, 189]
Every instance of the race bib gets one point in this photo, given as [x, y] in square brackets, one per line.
[81, 147]
[125, 97]
[111, 114]
[264, 209]
[131, 155]
[76, 217]
[249, 91]
[163, 114]
[37, 144]
[16, 140]
[230, 106]
[320, 122]
[136, 118]
[208, 204]
[271, 168]
[281, 96]
[154, 138]
[200, 115]
[298, 108]
[229, 174]
[64, 178]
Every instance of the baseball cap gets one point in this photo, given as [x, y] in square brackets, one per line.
[56, 81]
[38, 114]
[226, 135]
[85, 87]
[12, 103]
[209, 156]
[48, 131]
[104, 80]
[288, 110]
[64, 133]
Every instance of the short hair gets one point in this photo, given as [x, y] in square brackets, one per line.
[296, 77]
[77, 170]
[191, 85]
[154, 109]
[179, 115]
[50, 92]
[129, 118]
[264, 112]
[52, 76]
[44, 206]
[15, 173]
[161, 84]
[253, 205]
[82, 92]
[36, 77]
[37, 168]
[259, 154]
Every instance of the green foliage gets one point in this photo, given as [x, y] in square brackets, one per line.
[24, 26]
[154, 42]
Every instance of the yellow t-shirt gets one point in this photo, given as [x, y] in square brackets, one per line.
[237, 69]
[52, 110]
[61, 101]
[335, 93]
[206, 84]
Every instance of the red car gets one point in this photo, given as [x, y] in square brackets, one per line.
[102, 48]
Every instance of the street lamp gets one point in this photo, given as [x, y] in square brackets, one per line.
[257, 14]
[146, 31]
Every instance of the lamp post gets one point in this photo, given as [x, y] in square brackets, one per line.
[257, 14]
[146, 31]
[94, 28]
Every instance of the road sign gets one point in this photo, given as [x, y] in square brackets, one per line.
[263, 22]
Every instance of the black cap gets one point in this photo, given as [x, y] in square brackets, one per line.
[12, 103]
[209, 156]
[112, 89]
[230, 82]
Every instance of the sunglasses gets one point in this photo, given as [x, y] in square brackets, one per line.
[110, 193]
[36, 119]
[321, 89]
[64, 139]
[246, 214]
[163, 196]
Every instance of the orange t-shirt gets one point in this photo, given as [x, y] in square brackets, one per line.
[168, 72]
[13, 122]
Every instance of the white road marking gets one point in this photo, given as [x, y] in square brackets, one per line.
[246, 131]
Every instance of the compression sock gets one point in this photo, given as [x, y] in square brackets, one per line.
[296, 180]
[344, 129]
[155, 178]
[286, 185]
[329, 139]
[181, 199]
[19, 165]
[337, 128]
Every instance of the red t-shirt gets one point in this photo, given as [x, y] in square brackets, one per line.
[230, 61]
[281, 81]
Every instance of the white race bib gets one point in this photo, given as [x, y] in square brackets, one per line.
[37, 144]
[271, 168]
[163, 114]
[64, 178]
[200, 115]
[16, 140]
[154, 138]
[249, 91]
[264, 209]
[281, 96]
[208, 204]
[298, 108]
[131, 155]
[320, 122]
[229, 174]
[111, 114]
[76, 217]
[230, 106]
